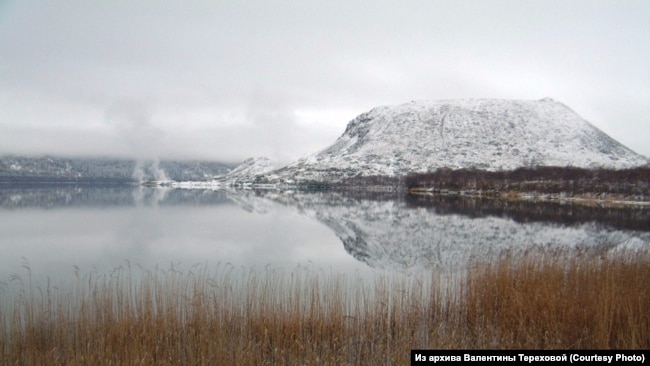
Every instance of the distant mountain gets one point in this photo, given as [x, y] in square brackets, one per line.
[485, 134]
[48, 168]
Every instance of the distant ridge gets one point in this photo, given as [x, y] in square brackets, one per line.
[16, 169]
[490, 134]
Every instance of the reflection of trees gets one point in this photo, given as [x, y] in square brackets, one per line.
[66, 196]
[525, 211]
[106, 196]
[623, 218]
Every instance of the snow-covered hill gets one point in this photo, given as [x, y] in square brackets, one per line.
[251, 168]
[253, 172]
[486, 134]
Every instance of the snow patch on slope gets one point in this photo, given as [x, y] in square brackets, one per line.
[252, 167]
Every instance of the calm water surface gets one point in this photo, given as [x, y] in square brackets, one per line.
[52, 230]
[103, 228]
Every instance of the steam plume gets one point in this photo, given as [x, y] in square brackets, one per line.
[132, 122]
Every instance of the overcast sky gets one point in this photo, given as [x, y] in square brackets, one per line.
[227, 80]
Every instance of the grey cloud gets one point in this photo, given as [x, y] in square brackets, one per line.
[165, 64]
[131, 121]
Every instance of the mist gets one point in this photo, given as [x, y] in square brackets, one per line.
[131, 121]
[228, 81]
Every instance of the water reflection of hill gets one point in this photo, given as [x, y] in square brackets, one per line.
[624, 218]
[399, 234]
[389, 231]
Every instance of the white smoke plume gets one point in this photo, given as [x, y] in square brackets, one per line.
[149, 170]
[132, 122]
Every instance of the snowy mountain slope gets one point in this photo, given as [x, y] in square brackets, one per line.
[249, 169]
[251, 172]
[481, 133]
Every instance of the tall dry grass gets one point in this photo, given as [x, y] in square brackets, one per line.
[268, 316]
[555, 300]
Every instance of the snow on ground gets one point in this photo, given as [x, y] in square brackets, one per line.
[475, 133]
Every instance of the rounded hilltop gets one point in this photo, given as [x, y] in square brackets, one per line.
[488, 134]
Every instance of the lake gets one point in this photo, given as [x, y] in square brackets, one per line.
[53, 230]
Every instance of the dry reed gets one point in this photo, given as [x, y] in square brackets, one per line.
[306, 316]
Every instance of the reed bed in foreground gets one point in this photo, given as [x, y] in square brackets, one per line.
[559, 301]
[306, 316]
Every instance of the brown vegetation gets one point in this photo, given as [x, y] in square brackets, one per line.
[557, 302]
[633, 184]
[311, 317]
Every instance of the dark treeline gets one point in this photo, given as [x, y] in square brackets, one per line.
[633, 183]
[376, 182]
[56, 169]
